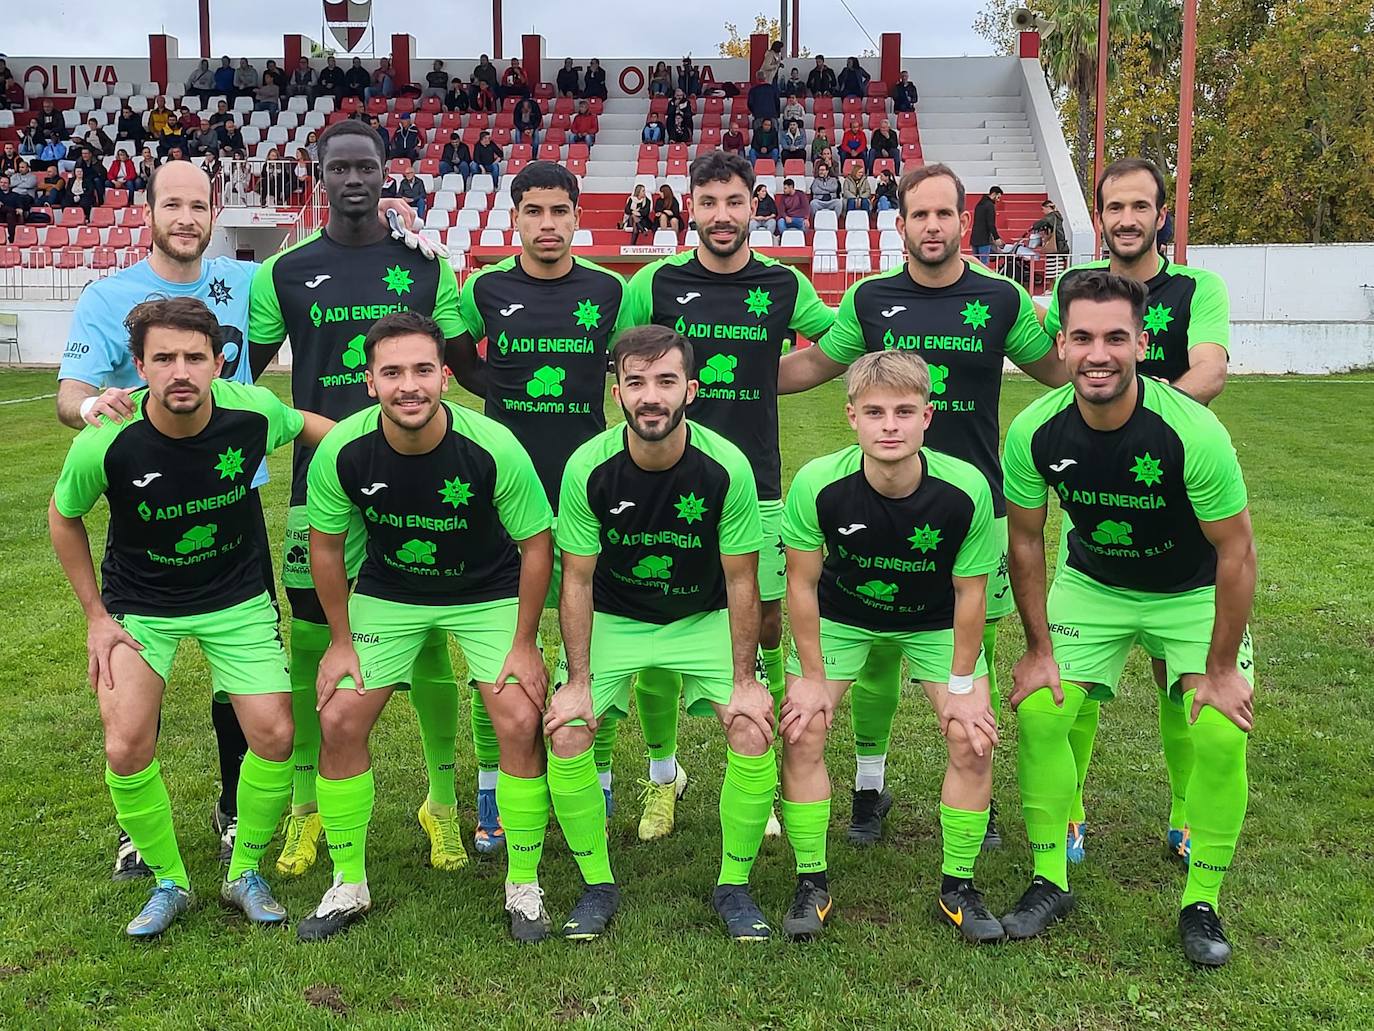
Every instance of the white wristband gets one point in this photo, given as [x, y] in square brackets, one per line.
[87, 405]
[960, 684]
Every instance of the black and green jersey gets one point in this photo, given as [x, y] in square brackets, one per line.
[889, 562]
[739, 324]
[659, 534]
[963, 331]
[182, 539]
[1135, 494]
[324, 297]
[440, 526]
[547, 342]
[1186, 307]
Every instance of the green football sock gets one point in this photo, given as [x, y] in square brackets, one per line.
[746, 802]
[603, 745]
[873, 700]
[144, 810]
[962, 832]
[1081, 737]
[1218, 793]
[524, 805]
[434, 696]
[656, 697]
[581, 810]
[345, 811]
[1177, 739]
[777, 678]
[264, 790]
[1045, 770]
[990, 656]
[806, 824]
[484, 744]
[308, 644]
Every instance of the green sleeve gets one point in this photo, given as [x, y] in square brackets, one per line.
[284, 423]
[520, 500]
[578, 530]
[741, 528]
[811, 317]
[844, 343]
[801, 524]
[1021, 481]
[981, 551]
[328, 508]
[265, 322]
[82, 480]
[1052, 323]
[446, 302]
[1211, 471]
[473, 323]
[1209, 317]
[637, 304]
[1027, 341]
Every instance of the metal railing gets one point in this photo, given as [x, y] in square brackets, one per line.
[252, 183]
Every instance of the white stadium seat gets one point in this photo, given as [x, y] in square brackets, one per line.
[793, 238]
[453, 182]
[825, 262]
[325, 104]
[445, 200]
[262, 119]
[122, 89]
[240, 104]
[475, 201]
[502, 200]
[499, 218]
[691, 239]
[482, 184]
[492, 238]
[301, 104]
[856, 240]
[469, 218]
[887, 219]
[824, 241]
[437, 219]
[858, 261]
[458, 239]
[856, 220]
[761, 238]
[890, 240]
[665, 238]
[582, 238]
[98, 89]
[825, 220]
[432, 235]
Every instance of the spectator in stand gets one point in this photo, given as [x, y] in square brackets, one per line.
[854, 143]
[123, 173]
[827, 157]
[484, 97]
[75, 192]
[770, 68]
[456, 158]
[457, 98]
[795, 86]
[376, 123]
[661, 81]
[1050, 228]
[302, 176]
[885, 193]
[984, 237]
[484, 72]
[486, 157]
[654, 131]
[176, 153]
[793, 142]
[764, 143]
[53, 154]
[569, 79]
[821, 81]
[410, 188]
[638, 214]
[331, 81]
[382, 83]
[97, 139]
[229, 135]
[160, 119]
[595, 84]
[903, 93]
[820, 143]
[529, 120]
[883, 144]
[274, 180]
[680, 118]
[732, 141]
[764, 101]
[792, 110]
[201, 82]
[24, 181]
[585, 125]
[514, 82]
[205, 140]
[765, 211]
[312, 145]
[793, 208]
[224, 77]
[9, 158]
[825, 191]
[267, 97]
[302, 82]
[857, 191]
[188, 124]
[12, 93]
[667, 211]
[853, 80]
[406, 141]
[246, 79]
[222, 114]
[436, 82]
[93, 169]
[356, 80]
[14, 207]
[50, 120]
[146, 163]
[689, 77]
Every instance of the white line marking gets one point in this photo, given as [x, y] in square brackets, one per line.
[23, 400]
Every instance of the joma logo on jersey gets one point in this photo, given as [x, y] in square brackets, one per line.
[352, 313]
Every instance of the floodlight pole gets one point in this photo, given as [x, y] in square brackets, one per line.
[1183, 181]
[1104, 10]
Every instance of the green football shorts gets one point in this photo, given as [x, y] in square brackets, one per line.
[295, 556]
[845, 649]
[241, 644]
[1000, 601]
[1093, 626]
[696, 647]
[772, 555]
[388, 635]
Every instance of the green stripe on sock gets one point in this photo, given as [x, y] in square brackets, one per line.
[145, 812]
[581, 810]
[264, 790]
[746, 800]
[345, 812]
[962, 833]
[806, 824]
[524, 805]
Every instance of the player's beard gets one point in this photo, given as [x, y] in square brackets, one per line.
[175, 247]
[408, 422]
[181, 405]
[1148, 235]
[675, 416]
[728, 250]
[951, 248]
[1124, 379]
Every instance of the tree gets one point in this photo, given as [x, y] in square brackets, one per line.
[738, 46]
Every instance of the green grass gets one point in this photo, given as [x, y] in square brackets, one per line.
[1298, 902]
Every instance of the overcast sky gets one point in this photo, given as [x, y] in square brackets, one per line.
[459, 28]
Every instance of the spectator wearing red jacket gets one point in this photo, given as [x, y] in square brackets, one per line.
[732, 142]
[854, 144]
[514, 82]
[585, 125]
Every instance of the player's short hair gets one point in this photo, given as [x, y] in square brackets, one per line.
[402, 324]
[1125, 167]
[189, 313]
[1101, 285]
[719, 166]
[544, 175]
[150, 187]
[903, 371]
[914, 178]
[649, 344]
[349, 127]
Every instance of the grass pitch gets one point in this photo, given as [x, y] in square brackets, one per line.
[1299, 903]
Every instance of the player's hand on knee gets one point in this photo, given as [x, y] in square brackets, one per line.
[340, 660]
[750, 700]
[570, 702]
[973, 714]
[112, 403]
[1229, 693]
[525, 665]
[805, 700]
[1033, 671]
[103, 636]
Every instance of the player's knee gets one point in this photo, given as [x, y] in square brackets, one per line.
[745, 737]
[568, 742]
[809, 749]
[273, 741]
[962, 750]
[519, 721]
[128, 753]
[339, 725]
[1216, 740]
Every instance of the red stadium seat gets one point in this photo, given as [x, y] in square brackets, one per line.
[906, 118]
[103, 257]
[884, 165]
[68, 257]
[710, 138]
[505, 120]
[131, 217]
[119, 238]
[677, 150]
[131, 256]
[482, 118]
[677, 166]
[403, 105]
[765, 166]
[72, 217]
[878, 88]
[578, 150]
[596, 105]
[711, 120]
[658, 106]
[56, 236]
[647, 166]
[103, 218]
[397, 165]
[9, 256]
[431, 105]
[577, 166]
[376, 106]
[649, 150]
[521, 151]
[424, 121]
[851, 106]
[563, 106]
[556, 135]
[852, 164]
[25, 237]
[714, 105]
[550, 152]
[38, 257]
[826, 121]
[335, 117]
[86, 236]
[514, 165]
[509, 104]
[794, 166]
[144, 240]
[908, 135]
[434, 151]
[542, 92]
[911, 156]
[350, 104]
[442, 136]
[501, 135]
[116, 198]
[560, 120]
[876, 104]
[428, 166]
[451, 120]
